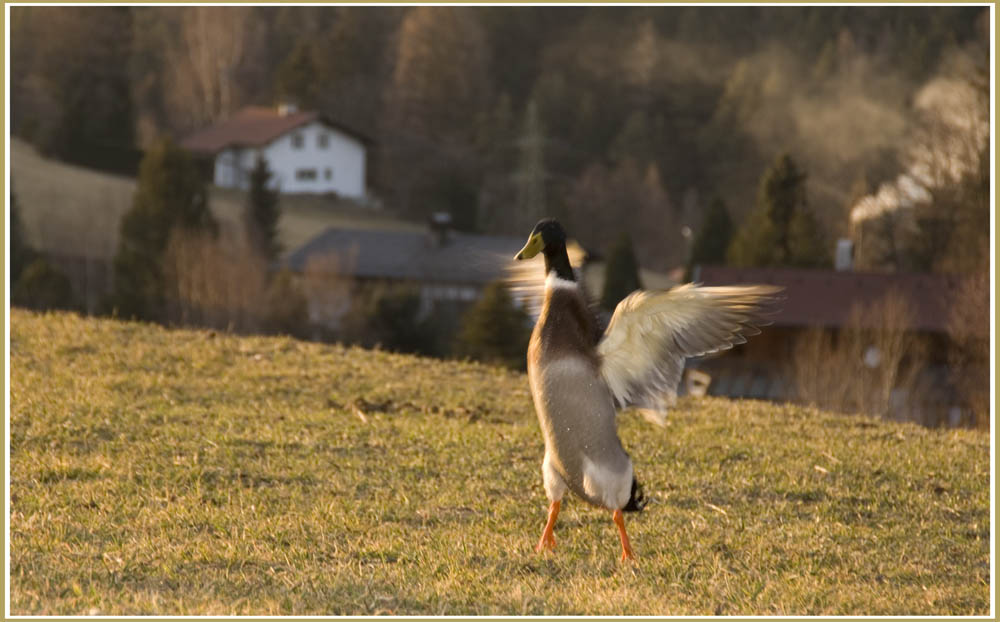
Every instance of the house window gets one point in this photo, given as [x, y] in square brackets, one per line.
[297, 141]
[323, 140]
[305, 174]
[328, 174]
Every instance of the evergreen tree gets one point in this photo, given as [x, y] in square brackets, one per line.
[780, 231]
[494, 330]
[754, 242]
[170, 193]
[621, 273]
[393, 322]
[262, 212]
[709, 246]
[806, 245]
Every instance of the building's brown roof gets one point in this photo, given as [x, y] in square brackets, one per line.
[826, 297]
[254, 126]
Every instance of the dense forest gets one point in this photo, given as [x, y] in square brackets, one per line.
[615, 119]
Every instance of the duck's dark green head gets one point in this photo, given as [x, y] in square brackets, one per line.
[547, 236]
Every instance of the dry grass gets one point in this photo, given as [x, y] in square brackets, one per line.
[193, 472]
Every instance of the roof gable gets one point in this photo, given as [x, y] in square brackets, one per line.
[256, 126]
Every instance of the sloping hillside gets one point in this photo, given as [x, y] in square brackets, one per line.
[73, 210]
[191, 472]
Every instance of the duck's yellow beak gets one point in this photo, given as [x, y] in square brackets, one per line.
[532, 248]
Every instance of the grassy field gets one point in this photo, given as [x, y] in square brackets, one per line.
[189, 472]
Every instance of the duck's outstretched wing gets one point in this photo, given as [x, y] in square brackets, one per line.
[652, 333]
[526, 279]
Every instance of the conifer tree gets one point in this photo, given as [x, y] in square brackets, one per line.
[621, 273]
[494, 330]
[780, 231]
[170, 194]
[709, 246]
[262, 212]
[806, 245]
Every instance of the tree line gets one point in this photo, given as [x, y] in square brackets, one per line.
[610, 119]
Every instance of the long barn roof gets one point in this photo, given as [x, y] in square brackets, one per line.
[826, 297]
[463, 258]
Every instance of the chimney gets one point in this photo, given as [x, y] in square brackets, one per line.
[287, 108]
[440, 225]
[843, 258]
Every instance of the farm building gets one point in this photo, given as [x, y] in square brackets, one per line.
[307, 152]
[835, 301]
[446, 266]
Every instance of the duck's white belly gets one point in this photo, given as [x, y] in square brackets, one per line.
[577, 417]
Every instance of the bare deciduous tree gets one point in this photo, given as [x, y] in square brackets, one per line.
[214, 281]
[860, 368]
[205, 60]
[969, 355]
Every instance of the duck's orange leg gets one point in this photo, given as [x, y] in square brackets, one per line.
[548, 540]
[626, 546]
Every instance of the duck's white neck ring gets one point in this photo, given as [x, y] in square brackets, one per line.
[552, 281]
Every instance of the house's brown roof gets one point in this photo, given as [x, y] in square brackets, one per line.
[826, 297]
[254, 126]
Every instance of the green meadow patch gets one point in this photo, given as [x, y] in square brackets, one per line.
[194, 472]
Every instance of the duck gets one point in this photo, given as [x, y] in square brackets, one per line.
[581, 374]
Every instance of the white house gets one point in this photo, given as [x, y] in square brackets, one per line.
[306, 152]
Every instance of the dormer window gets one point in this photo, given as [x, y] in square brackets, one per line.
[297, 141]
[323, 140]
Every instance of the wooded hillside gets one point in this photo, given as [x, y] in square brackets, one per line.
[609, 118]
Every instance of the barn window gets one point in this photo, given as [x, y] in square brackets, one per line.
[323, 140]
[297, 141]
[305, 174]
[328, 174]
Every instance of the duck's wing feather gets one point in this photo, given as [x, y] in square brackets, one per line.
[652, 333]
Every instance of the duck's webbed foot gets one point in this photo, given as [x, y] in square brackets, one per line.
[548, 540]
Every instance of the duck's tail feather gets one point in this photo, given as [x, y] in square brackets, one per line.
[636, 500]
